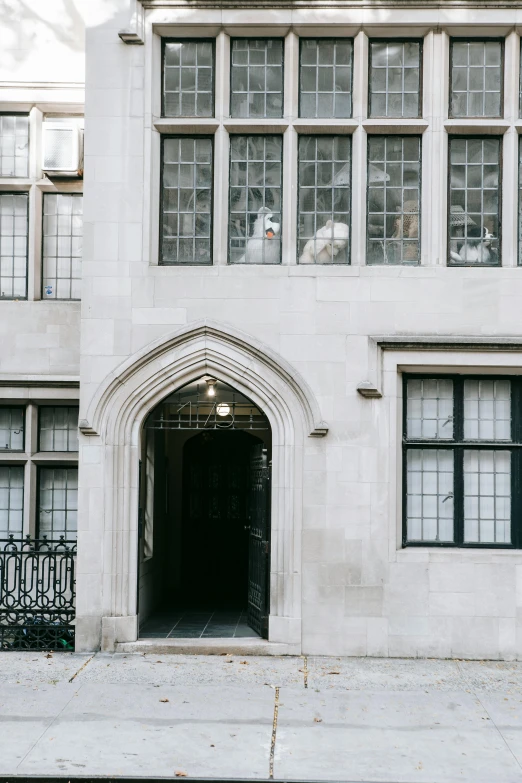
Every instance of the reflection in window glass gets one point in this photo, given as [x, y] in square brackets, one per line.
[487, 410]
[487, 497]
[325, 77]
[394, 170]
[255, 199]
[429, 501]
[11, 429]
[58, 428]
[256, 78]
[430, 408]
[188, 79]
[58, 502]
[62, 245]
[324, 199]
[474, 201]
[186, 201]
[11, 500]
[476, 79]
[14, 146]
[13, 245]
[395, 79]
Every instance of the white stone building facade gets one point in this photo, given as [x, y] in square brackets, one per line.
[384, 351]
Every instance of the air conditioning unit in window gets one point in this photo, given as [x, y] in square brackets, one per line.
[62, 147]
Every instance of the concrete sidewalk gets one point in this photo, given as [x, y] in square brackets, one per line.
[293, 718]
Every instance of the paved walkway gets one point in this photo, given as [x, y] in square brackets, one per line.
[294, 718]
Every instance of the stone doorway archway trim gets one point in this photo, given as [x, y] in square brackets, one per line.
[114, 419]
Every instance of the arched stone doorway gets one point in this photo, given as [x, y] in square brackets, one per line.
[112, 415]
[205, 502]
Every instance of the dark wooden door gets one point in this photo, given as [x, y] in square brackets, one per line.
[259, 540]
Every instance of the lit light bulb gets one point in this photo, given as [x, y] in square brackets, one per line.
[211, 391]
[223, 409]
[211, 382]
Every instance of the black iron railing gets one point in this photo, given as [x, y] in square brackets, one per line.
[37, 593]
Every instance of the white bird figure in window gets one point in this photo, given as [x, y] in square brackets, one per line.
[263, 246]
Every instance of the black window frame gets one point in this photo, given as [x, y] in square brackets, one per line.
[458, 445]
[39, 429]
[195, 136]
[478, 39]
[164, 42]
[23, 408]
[283, 64]
[480, 137]
[43, 237]
[73, 465]
[21, 465]
[327, 38]
[26, 194]
[402, 40]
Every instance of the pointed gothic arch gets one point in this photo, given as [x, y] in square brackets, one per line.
[114, 419]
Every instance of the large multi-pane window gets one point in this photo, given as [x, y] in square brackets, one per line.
[393, 222]
[255, 199]
[324, 199]
[474, 201]
[13, 245]
[11, 500]
[395, 79]
[186, 201]
[58, 428]
[188, 78]
[58, 502]
[325, 77]
[11, 428]
[14, 145]
[476, 78]
[462, 449]
[256, 77]
[62, 245]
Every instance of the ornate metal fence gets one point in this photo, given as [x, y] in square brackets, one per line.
[37, 594]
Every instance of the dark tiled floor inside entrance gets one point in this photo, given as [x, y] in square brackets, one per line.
[197, 625]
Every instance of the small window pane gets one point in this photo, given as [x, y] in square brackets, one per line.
[255, 199]
[58, 428]
[62, 245]
[256, 78]
[324, 199]
[325, 78]
[394, 170]
[429, 408]
[395, 79]
[187, 201]
[429, 501]
[11, 500]
[476, 79]
[188, 79]
[487, 410]
[13, 245]
[474, 208]
[11, 429]
[14, 146]
[487, 497]
[58, 502]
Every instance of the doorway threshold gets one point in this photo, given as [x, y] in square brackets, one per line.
[208, 646]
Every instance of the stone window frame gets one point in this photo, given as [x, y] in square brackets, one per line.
[35, 185]
[32, 397]
[434, 125]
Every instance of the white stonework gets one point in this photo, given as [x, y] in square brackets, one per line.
[297, 340]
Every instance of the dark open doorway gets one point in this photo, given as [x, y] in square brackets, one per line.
[205, 516]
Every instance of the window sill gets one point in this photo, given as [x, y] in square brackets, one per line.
[43, 457]
[322, 126]
[182, 125]
[255, 126]
[482, 126]
[9, 184]
[444, 554]
[395, 125]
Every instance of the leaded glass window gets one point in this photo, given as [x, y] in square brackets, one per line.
[11, 500]
[256, 77]
[462, 446]
[62, 245]
[474, 203]
[188, 79]
[395, 78]
[393, 214]
[186, 235]
[14, 145]
[325, 77]
[58, 428]
[324, 199]
[476, 78]
[13, 245]
[11, 429]
[254, 233]
[58, 502]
